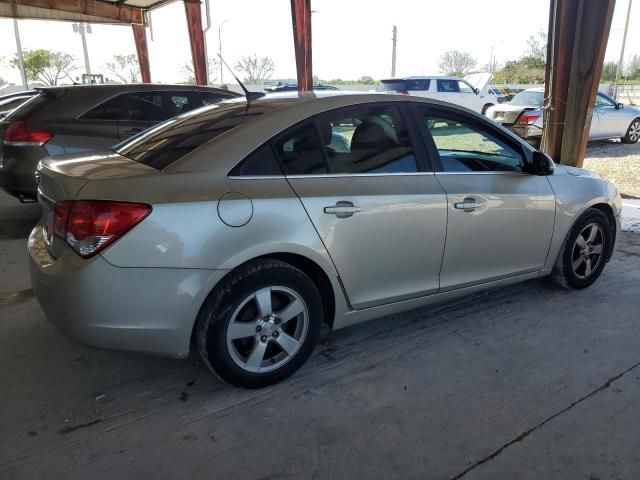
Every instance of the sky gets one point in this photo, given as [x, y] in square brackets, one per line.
[351, 38]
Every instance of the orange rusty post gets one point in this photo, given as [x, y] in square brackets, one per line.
[578, 34]
[301, 18]
[140, 38]
[196, 39]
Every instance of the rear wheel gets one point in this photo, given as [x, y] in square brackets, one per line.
[633, 133]
[260, 325]
[584, 252]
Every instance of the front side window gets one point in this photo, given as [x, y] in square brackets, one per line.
[466, 147]
[604, 102]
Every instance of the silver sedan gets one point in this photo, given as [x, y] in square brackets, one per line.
[610, 120]
[246, 226]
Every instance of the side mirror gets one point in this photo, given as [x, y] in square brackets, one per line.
[543, 164]
[476, 90]
[620, 106]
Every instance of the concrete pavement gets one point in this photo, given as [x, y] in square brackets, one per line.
[527, 382]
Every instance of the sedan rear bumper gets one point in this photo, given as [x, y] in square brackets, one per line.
[149, 310]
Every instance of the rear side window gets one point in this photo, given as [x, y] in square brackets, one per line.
[391, 86]
[371, 139]
[162, 145]
[112, 109]
[209, 98]
[156, 106]
[260, 163]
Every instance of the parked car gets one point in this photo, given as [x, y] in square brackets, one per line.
[500, 96]
[510, 92]
[83, 118]
[470, 92]
[9, 103]
[241, 226]
[610, 119]
[294, 88]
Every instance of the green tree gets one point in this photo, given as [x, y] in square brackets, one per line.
[609, 72]
[125, 67]
[255, 69]
[456, 63]
[633, 68]
[46, 66]
[537, 46]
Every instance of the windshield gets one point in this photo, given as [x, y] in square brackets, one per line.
[162, 145]
[528, 99]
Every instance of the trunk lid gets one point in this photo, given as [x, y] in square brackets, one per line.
[62, 178]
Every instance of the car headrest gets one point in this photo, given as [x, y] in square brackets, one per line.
[325, 132]
[369, 135]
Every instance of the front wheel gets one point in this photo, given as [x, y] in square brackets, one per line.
[260, 325]
[584, 252]
[633, 133]
[486, 107]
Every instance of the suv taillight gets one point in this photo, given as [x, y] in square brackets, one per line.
[89, 226]
[19, 134]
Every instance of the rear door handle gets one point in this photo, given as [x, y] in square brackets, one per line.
[342, 209]
[468, 205]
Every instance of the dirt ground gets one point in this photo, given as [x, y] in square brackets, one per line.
[617, 162]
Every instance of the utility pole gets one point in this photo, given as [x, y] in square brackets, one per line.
[220, 50]
[83, 29]
[394, 39]
[624, 41]
[23, 74]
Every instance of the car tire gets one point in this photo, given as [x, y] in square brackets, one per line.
[243, 331]
[585, 251]
[633, 132]
[486, 107]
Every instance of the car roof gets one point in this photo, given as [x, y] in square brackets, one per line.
[420, 77]
[125, 87]
[534, 89]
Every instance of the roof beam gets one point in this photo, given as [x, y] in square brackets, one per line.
[109, 12]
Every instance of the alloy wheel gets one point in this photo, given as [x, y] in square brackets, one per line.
[634, 131]
[588, 251]
[267, 329]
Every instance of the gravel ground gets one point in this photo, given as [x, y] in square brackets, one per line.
[617, 162]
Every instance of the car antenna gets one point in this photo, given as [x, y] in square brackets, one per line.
[248, 95]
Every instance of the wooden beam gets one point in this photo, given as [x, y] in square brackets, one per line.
[108, 11]
[140, 39]
[196, 39]
[301, 19]
[578, 34]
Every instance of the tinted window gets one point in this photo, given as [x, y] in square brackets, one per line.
[260, 163]
[112, 109]
[367, 140]
[449, 86]
[162, 145]
[156, 106]
[602, 101]
[467, 147]
[209, 98]
[391, 86]
[413, 85]
[301, 151]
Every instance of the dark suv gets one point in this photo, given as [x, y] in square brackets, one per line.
[83, 118]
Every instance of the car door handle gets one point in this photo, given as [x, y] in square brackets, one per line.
[468, 205]
[132, 131]
[342, 209]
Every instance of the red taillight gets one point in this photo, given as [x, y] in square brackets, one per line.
[528, 118]
[88, 226]
[19, 134]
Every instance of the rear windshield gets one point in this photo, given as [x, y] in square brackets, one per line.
[391, 86]
[528, 99]
[31, 106]
[162, 145]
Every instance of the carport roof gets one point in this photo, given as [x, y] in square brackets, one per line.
[95, 11]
